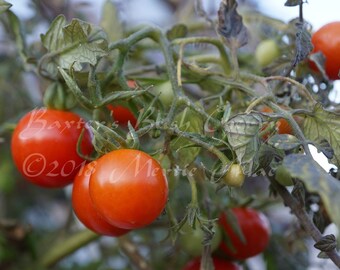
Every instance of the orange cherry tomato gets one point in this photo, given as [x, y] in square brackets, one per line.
[128, 188]
[327, 40]
[282, 125]
[83, 206]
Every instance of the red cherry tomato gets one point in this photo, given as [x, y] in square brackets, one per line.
[44, 147]
[219, 264]
[256, 231]
[128, 188]
[83, 207]
[282, 125]
[122, 115]
[327, 40]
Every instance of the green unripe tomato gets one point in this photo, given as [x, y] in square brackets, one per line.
[283, 177]
[266, 52]
[234, 176]
[165, 92]
[191, 239]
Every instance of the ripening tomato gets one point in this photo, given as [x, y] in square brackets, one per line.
[256, 231]
[83, 207]
[191, 240]
[219, 264]
[282, 125]
[234, 176]
[327, 40]
[44, 146]
[128, 188]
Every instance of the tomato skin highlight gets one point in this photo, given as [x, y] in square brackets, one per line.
[44, 147]
[327, 40]
[219, 264]
[255, 228]
[83, 206]
[128, 188]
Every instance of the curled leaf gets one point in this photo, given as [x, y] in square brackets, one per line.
[230, 25]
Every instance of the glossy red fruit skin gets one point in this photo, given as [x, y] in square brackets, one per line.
[255, 228]
[219, 264]
[128, 188]
[44, 146]
[122, 115]
[327, 40]
[83, 206]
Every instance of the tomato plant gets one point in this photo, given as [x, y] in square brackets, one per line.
[219, 264]
[128, 188]
[255, 229]
[266, 52]
[83, 206]
[39, 145]
[191, 240]
[234, 176]
[327, 41]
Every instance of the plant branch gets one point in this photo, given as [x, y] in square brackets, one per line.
[299, 211]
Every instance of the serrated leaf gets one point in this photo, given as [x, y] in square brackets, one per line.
[284, 142]
[242, 131]
[187, 121]
[4, 6]
[293, 3]
[73, 44]
[230, 25]
[324, 125]
[177, 31]
[316, 180]
[110, 21]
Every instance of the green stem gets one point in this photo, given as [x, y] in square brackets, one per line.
[213, 41]
[66, 247]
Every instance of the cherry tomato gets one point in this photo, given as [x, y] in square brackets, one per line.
[219, 264]
[164, 92]
[122, 114]
[44, 147]
[266, 52]
[327, 40]
[83, 207]
[191, 239]
[234, 176]
[256, 231]
[282, 125]
[128, 188]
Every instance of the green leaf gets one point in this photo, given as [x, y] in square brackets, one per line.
[110, 21]
[187, 121]
[284, 142]
[4, 6]
[230, 25]
[316, 180]
[242, 132]
[324, 125]
[177, 31]
[72, 44]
